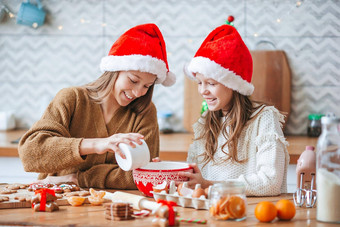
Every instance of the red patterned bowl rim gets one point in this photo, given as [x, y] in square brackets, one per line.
[165, 170]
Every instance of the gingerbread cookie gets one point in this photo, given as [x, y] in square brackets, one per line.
[69, 187]
[57, 188]
[36, 186]
[37, 198]
[118, 211]
[4, 198]
[162, 214]
[23, 198]
[7, 191]
[16, 186]
[116, 218]
[79, 193]
[49, 207]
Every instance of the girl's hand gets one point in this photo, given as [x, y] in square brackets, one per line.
[157, 159]
[59, 179]
[195, 177]
[110, 144]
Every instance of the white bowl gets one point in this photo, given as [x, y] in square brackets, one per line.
[135, 157]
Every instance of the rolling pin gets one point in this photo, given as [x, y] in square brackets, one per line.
[137, 201]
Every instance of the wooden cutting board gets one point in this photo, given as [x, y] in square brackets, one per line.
[14, 203]
[271, 79]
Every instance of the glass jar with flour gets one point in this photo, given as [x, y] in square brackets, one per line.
[328, 170]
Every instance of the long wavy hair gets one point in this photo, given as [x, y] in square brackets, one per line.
[241, 109]
[99, 89]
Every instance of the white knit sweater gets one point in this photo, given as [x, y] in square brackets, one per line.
[262, 142]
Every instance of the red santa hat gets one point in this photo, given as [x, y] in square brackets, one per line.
[224, 57]
[140, 48]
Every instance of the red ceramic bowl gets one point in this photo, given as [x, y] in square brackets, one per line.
[156, 173]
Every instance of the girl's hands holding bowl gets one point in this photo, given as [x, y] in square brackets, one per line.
[195, 177]
[157, 159]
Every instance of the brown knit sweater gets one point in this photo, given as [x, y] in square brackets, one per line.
[51, 146]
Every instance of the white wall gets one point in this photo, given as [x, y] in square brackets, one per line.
[36, 63]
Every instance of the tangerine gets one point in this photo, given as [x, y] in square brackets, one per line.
[265, 211]
[285, 209]
[76, 200]
[99, 194]
[236, 207]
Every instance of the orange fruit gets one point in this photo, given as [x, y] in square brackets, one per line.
[76, 200]
[222, 216]
[265, 211]
[285, 209]
[220, 205]
[99, 194]
[219, 210]
[212, 211]
[236, 207]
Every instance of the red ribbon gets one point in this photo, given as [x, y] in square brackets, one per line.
[42, 193]
[170, 205]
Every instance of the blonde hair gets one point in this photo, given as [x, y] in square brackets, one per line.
[242, 107]
[99, 89]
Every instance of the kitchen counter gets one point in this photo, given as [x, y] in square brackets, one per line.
[173, 147]
[88, 215]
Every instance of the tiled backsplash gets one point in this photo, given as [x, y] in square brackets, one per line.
[36, 63]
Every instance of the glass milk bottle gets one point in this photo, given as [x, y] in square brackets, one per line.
[328, 171]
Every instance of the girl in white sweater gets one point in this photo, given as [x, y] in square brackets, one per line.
[236, 138]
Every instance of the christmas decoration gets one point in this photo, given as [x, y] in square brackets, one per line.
[230, 20]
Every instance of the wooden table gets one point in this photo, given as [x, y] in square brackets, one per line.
[173, 147]
[88, 215]
[7, 148]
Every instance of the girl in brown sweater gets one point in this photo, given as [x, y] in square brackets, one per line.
[77, 136]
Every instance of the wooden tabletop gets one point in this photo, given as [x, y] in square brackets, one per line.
[88, 215]
[173, 147]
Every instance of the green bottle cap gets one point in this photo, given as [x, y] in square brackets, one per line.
[315, 116]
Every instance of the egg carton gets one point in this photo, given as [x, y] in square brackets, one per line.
[201, 203]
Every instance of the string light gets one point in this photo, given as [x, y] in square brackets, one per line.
[83, 21]
[61, 27]
[279, 20]
[10, 14]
